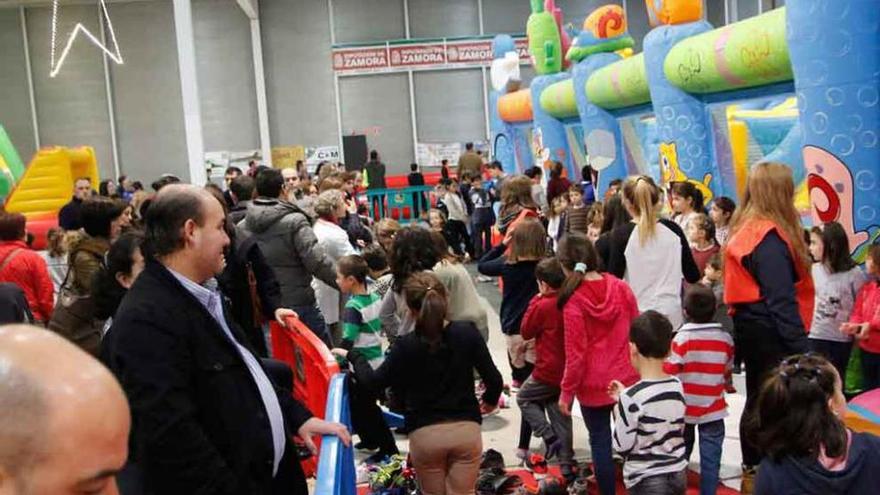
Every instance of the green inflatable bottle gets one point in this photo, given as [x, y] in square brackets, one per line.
[545, 43]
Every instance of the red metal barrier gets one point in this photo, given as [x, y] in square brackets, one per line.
[313, 366]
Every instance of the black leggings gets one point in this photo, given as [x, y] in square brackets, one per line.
[520, 375]
[367, 420]
[459, 229]
[762, 349]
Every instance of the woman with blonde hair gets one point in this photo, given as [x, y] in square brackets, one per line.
[386, 229]
[330, 207]
[767, 285]
[651, 253]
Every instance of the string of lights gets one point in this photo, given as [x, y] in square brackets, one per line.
[115, 54]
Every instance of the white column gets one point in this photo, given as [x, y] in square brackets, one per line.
[108, 90]
[189, 90]
[260, 82]
[486, 105]
[336, 87]
[30, 78]
[412, 115]
[412, 90]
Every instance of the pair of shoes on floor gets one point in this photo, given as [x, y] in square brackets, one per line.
[484, 278]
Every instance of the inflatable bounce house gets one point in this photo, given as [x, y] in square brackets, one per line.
[796, 85]
[41, 189]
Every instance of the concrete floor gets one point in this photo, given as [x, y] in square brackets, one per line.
[501, 431]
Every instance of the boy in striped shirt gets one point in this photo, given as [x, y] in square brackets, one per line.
[360, 330]
[649, 416]
[360, 319]
[702, 358]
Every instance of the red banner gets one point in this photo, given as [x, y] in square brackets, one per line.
[419, 55]
[360, 59]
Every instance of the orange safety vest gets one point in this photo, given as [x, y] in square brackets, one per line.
[740, 287]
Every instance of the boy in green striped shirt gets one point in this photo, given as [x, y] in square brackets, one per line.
[360, 319]
[360, 330]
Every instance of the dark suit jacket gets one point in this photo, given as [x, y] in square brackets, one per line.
[68, 217]
[198, 423]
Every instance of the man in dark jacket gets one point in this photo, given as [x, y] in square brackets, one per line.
[68, 217]
[285, 236]
[375, 171]
[206, 417]
[241, 190]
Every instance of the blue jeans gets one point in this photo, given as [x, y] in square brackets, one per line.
[711, 439]
[662, 484]
[314, 319]
[598, 420]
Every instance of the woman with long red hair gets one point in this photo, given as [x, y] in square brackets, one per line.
[767, 285]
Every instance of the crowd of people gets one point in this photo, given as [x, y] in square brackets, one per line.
[641, 304]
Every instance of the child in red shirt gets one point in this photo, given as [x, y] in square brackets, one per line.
[597, 309]
[702, 358]
[543, 322]
[864, 322]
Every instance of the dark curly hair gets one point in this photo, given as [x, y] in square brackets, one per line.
[413, 251]
[106, 291]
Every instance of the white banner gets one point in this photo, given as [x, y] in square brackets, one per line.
[319, 154]
[431, 154]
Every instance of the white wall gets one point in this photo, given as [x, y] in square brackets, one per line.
[146, 91]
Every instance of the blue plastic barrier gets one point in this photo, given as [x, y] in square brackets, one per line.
[399, 203]
[336, 474]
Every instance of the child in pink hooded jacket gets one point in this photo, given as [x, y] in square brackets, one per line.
[597, 311]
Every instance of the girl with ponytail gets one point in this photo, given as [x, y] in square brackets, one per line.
[798, 424]
[432, 369]
[651, 253]
[597, 310]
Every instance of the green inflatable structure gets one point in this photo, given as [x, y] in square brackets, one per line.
[620, 85]
[11, 166]
[746, 54]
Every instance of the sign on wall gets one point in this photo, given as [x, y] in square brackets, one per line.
[314, 156]
[394, 56]
[432, 154]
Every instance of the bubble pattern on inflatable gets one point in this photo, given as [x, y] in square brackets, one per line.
[835, 53]
[682, 122]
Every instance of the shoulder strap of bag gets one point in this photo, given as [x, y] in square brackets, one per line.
[9, 257]
[70, 260]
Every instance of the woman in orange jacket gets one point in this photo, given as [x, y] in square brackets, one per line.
[768, 286]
